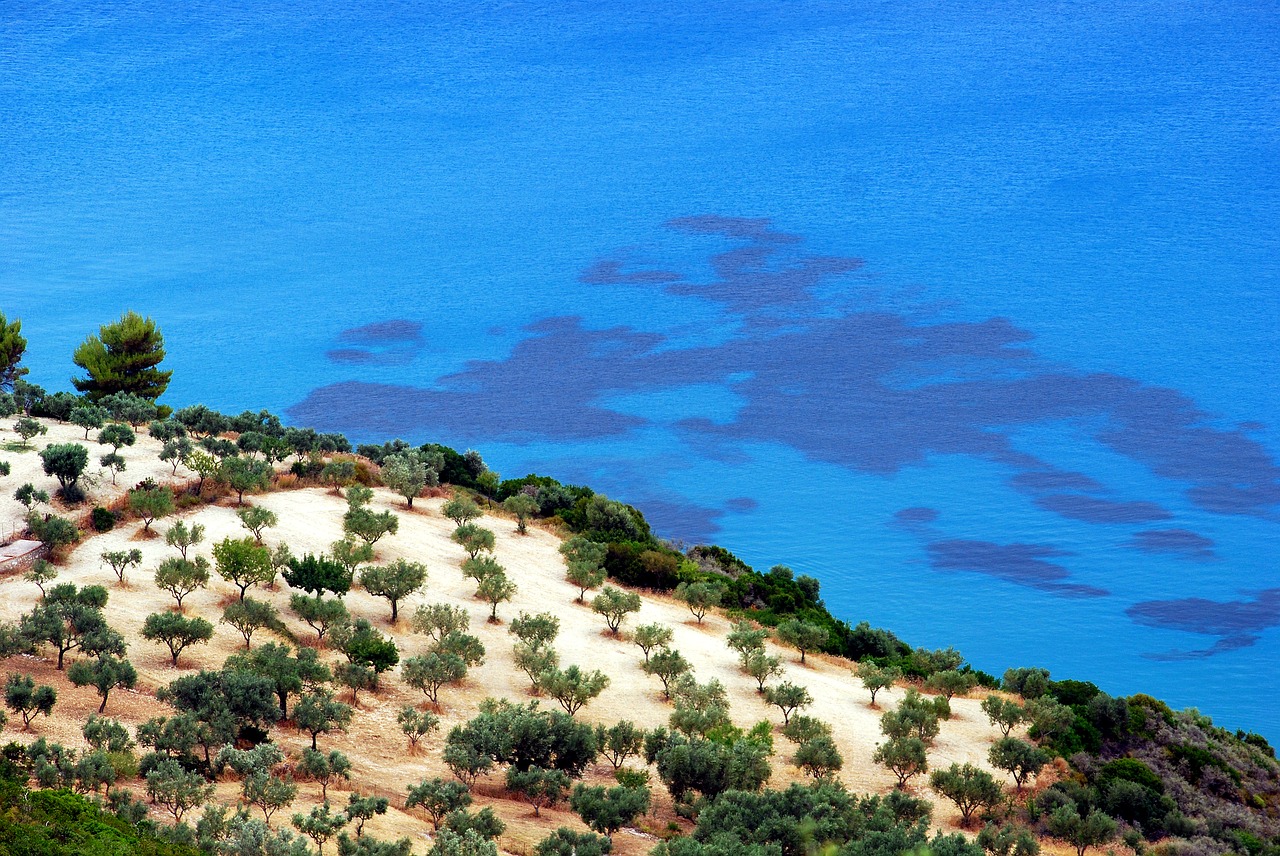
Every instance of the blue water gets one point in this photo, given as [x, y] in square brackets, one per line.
[968, 309]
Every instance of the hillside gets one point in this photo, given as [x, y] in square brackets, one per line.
[1172, 779]
[310, 520]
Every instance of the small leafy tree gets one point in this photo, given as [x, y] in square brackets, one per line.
[572, 687]
[875, 678]
[30, 497]
[699, 597]
[745, 638]
[431, 671]
[177, 451]
[1004, 713]
[88, 417]
[536, 631]
[41, 573]
[608, 810]
[26, 428]
[951, 683]
[255, 518]
[117, 435]
[249, 615]
[461, 510]
[619, 742]
[243, 563]
[538, 787]
[268, 792]
[325, 768]
[176, 631]
[668, 666]
[586, 577]
[106, 734]
[394, 582]
[1008, 840]
[364, 523]
[318, 712]
[182, 537]
[317, 574]
[819, 757]
[1019, 758]
[652, 636]
[438, 799]
[204, 465]
[566, 842]
[64, 461]
[474, 539]
[762, 667]
[320, 825]
[244, 475]
[407, 474]
[788, 697]
[180, 577]
[25, 698]
[416, 724]
[113, 462]
[1093, 829]
[615, 605]
[535, 662]
[438, 620]
[321, 614]
[802, 635]
[523, 507]
[151, 504]
[969, 787]
[904, 756]
[801, 729]
[585, 562]
[179, 791]
[359, 809]
[351, 554]
[104, 673]
[495, 589]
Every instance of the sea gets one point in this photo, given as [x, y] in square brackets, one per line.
[971, 310]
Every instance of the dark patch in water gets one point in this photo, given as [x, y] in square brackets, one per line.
[741, 504]
[1188, 544]
[385, 343]
[1237, 623]
[682, 521]
[382, 332]
[916, 515]
[872, 391]
[1023, 564]
[1090, 509]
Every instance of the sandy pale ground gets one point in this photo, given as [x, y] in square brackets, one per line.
[310, 520]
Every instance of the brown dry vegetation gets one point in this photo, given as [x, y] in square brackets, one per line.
[310, 520]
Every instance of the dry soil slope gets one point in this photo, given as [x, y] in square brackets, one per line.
[310, 520]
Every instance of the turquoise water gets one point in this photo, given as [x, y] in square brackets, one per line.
[969, 310]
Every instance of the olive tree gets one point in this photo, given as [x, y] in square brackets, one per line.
[904, 756]
[151, 504]
[651, 636]
[875, 678]
[699, 597]
[255, 518]
[182, 537]
[461, 510]
[1019, 758]
[394, 582]
[802, 635]
[180, 577]
[176, 631]
[104, 673]
[523, 507]
[243, 563]
[573, 687]
[788, 697]
[969, 787]
[615, 605]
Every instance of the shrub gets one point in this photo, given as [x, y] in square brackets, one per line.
[103, 519]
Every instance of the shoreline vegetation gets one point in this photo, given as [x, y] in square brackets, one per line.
[280, 625]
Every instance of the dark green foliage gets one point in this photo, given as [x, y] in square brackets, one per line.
[70, 618]
[176, 631]
[316, 574]
[12, 346]
[365, 646]
[104, 673]
[318, 712]
[523, 736]
[566, 842]
[123, 357]
[438, 798]
[150, 504]
[691, 766]
[24, 697]
[288, 674]
[538, 787]
[394, 582]
[65, 461]
[819, 757]
[244, 475]
[103, 519]
[249, 615]
[1020, 758]
[231, 703]
[243, 563]
[606, 810]
[969, 787]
